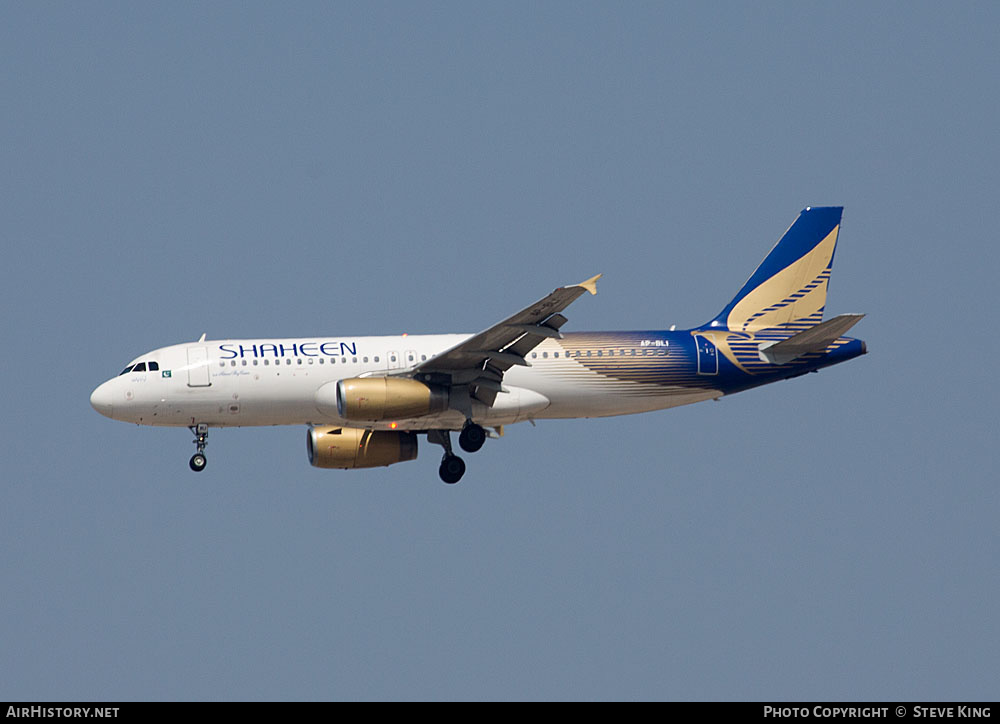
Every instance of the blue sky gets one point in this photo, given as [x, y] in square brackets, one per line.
[249, 169]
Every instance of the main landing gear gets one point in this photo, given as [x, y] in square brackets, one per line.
[470, 439]
[452, 468]
[198, 460]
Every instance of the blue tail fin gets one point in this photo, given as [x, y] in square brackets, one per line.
[787, 293]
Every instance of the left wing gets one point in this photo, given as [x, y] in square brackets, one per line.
[481, 360]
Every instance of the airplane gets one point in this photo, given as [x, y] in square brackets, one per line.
[365, 400]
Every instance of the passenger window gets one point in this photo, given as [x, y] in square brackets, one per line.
[141, 367]
[376, 358]
[267, 363]
[365, 360]
[354, 360]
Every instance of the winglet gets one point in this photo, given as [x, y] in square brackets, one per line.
[591, 284]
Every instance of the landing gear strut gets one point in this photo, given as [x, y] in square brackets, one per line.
[198, 460]
[452, 466]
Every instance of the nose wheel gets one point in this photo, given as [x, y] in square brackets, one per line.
[198, 460]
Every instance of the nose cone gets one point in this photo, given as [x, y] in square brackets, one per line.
[100, 399]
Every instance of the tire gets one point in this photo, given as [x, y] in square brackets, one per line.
[198, 462]
[472, 438]
[452, 469]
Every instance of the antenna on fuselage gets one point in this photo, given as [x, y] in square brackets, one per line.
[202, 337]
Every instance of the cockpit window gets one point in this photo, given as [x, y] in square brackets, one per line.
[140, 367]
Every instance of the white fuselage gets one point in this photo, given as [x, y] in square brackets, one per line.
[236, 383]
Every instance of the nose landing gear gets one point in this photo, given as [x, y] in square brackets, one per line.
[198, 460]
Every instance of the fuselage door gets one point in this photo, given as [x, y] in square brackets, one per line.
[394, 360]
[198, 375]
[708, 355]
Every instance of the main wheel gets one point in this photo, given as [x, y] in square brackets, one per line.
[472, 438]
[452, 469]
[198, 462]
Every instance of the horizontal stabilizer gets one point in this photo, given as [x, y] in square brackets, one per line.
[814, 339]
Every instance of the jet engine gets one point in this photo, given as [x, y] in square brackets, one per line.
[351, 447]
[388, 398]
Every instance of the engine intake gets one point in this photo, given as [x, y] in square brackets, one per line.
[351, 447]
[388, 398]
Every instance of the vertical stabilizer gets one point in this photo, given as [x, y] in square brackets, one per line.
[787, 292]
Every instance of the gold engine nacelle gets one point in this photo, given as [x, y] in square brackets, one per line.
[350, 447]
[388, 398]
